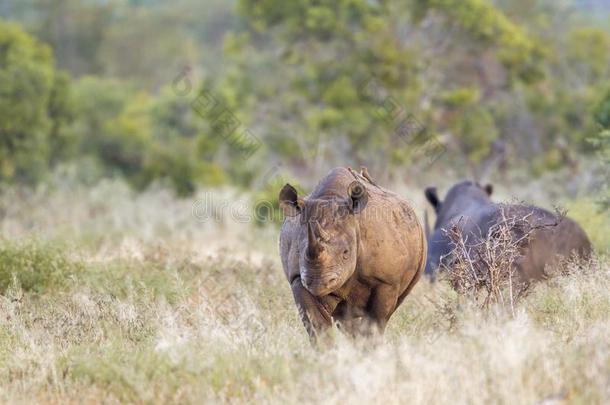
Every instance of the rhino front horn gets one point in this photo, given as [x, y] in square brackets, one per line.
[314, 248]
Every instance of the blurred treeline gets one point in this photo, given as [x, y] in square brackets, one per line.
[108, 87]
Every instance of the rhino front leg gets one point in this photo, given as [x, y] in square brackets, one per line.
[315, 316]
[382, 305]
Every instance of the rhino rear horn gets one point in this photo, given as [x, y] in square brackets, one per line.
[358, 196]
[320, 232]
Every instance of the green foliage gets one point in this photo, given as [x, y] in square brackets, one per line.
[595, 222]
[189, 149]
[150, 65]
[473, 125]
[62, 141]
[601, 142]
[329, 82]
[588, 49]
[76, 30]
[33, 105]
[41, 267]
[328, 104]
[476, 131]
[34, 266]
[602, 111]
[124, 144]
[460, 98]
[518, 52]
[146, 138]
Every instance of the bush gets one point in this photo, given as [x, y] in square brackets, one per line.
[485, 269]
[33, 105]
[35, 267]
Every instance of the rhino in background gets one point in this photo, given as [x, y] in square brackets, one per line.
[351, 251]
[468, 206]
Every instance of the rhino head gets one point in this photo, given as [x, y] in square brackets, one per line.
[459, 199]
[328, 246]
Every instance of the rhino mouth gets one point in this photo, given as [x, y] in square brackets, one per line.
[321, 286]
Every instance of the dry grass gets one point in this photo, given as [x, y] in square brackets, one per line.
[134, 312]
[485, 269]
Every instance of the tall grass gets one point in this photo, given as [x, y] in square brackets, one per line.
[142, 316]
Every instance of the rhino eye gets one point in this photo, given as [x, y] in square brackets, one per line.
[346, 254]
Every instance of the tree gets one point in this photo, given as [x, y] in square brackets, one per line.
[340, 87]
[602, 143]
[33, 105]
[520, 54]
[147, 47]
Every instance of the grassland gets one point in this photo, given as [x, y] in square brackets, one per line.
[109, 296]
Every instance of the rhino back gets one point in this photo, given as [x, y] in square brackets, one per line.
[552, 238]
[555, 239]
[391, 238]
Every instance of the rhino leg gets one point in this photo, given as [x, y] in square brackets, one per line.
[315, 316]
[382, 305]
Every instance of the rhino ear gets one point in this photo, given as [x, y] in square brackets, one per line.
[358, 196]
[489, 189]
[432, 197]
[290, 204]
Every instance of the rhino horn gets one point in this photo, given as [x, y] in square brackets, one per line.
[318, 230]
[314, 248]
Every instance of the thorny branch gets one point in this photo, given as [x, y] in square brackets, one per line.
[485, 269]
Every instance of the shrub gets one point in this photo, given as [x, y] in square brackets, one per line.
[33, 105]
[485, 270]
[34, 266]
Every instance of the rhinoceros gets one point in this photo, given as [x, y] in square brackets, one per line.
[351, 252]
[468, 206]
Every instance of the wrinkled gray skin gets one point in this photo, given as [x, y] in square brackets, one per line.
[351, 252]
[468, 206]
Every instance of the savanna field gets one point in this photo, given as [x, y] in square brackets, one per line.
[136, 299]
[149, 150]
